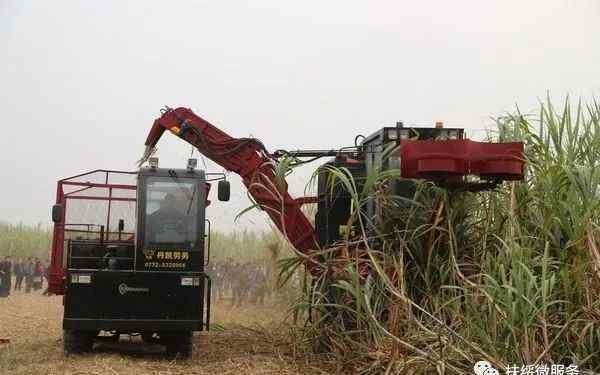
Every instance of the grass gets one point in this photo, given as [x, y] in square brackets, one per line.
[247, 245]
[25, 240]
[510, 276]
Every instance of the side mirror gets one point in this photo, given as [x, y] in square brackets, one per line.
[121, 225]
[224, 190]
[57, 213]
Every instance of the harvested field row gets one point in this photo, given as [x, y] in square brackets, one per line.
[244, 341]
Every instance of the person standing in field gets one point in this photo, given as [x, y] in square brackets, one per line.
[19, 271]
[2, 289]
[29, 272]
[38, 275]
[47, 277]
[5, 276]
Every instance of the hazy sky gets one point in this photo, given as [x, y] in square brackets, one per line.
[82, 81]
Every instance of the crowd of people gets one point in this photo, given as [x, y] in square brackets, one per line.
[241, 282]
[28, 273]
[250, 282]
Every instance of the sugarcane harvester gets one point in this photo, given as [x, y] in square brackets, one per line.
[150, 280]
[438, 154]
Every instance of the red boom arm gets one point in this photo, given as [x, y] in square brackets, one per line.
[248, 158]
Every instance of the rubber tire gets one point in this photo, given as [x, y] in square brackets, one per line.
[179, 344]
[77, 342]
[149, 338]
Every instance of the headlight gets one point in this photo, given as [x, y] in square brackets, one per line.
[78, 278]
[190, 281]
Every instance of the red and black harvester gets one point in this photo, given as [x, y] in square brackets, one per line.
[123, 267]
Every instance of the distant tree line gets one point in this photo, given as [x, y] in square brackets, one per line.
[25, 240]
[35, 240]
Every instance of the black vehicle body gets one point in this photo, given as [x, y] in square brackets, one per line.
[151, 283]
[374, 152]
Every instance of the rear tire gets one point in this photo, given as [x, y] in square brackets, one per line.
[179, 344]
[77, 342]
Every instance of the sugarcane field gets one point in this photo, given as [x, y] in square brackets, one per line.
[282, 187]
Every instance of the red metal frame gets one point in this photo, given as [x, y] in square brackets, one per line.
[57, 271]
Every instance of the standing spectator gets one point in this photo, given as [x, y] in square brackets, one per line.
[47, 277]
[2, 291]
[5, 276]
[19, 271]
[29, 272]
[38, 275]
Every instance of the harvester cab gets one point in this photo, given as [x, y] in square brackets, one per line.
[129, 255]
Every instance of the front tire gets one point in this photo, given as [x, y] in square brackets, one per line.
[179, 344]
[77, 342]
[151, 338]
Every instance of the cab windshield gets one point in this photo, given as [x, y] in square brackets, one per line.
[171, 211]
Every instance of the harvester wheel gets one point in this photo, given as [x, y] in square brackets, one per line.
[151, 338]
[179, 344]
[76, 342]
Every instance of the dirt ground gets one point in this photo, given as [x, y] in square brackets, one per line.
[244, 340]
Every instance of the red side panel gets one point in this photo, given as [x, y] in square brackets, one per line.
[57, 272]
[436, 160]
[80, 189]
